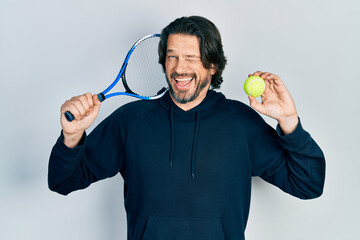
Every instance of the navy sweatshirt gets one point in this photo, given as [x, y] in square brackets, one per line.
[187, 174]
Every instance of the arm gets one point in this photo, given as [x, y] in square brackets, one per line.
[77, 163]
[289, 157]
[85, 109]
[293, 162]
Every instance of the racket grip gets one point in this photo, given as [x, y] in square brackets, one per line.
[101, 97]
[70, 117]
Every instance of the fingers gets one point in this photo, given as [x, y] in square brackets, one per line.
[80, 106]
[268, 77]
[272, 81]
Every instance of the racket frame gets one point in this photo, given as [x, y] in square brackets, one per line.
[128, 92]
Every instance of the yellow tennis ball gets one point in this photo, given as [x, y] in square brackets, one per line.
[254, 86]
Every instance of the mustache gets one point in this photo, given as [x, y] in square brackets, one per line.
[175, 74]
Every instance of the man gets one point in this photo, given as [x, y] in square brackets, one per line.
[187, 158]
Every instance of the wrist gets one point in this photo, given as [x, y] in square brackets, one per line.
[288, 124]
[73, 139]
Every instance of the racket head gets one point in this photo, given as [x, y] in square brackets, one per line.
[143, 74]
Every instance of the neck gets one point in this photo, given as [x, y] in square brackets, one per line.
[190, 105]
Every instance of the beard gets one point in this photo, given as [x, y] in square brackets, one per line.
[185, 96]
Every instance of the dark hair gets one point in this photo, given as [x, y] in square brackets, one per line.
[211, 48]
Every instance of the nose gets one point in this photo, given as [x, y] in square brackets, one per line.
[181, 65]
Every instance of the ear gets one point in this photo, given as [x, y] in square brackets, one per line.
[212, 69]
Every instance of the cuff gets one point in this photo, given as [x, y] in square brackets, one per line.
[297, 139]
[65, 151]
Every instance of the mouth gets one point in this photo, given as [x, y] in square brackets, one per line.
[183, 83]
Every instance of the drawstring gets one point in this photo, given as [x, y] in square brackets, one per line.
[166, 102]
[172, 135]
[197, 117]
[172, 143]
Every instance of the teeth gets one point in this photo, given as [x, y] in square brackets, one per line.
[183, 79]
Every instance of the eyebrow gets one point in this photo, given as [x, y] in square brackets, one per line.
[188, 56]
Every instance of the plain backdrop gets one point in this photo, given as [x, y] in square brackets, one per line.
[52, 50]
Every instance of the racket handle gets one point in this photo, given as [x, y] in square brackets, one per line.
[70, 117]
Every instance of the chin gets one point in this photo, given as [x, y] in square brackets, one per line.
[182, 97]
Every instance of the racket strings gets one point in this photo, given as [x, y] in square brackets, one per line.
[144, 75]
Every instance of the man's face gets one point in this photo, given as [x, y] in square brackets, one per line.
[187, 78]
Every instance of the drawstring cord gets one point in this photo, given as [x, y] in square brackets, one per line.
[172, 144]
[197, 117]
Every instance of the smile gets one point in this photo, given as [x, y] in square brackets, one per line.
[183, 79]
[183, 83]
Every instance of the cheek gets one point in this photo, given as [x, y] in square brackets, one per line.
[202, 72]
[167, 71]
[167, 67]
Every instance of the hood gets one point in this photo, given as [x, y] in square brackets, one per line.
[209, 102]
[203, 109]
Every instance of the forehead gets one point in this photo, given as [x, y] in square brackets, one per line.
[183, 43]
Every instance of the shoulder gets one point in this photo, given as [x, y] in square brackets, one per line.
[129, 116]
[241, 116]
[237, 113]
[238, 108]
[129, 113]
[134, 109]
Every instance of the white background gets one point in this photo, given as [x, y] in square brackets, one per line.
[52, 50]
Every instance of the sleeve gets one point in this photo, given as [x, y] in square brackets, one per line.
[293, 162]
[98, 156]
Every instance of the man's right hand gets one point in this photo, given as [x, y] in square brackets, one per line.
[85, 109]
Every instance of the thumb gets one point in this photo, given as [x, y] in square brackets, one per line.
[256, 105]
[97, 105]
[96, 100]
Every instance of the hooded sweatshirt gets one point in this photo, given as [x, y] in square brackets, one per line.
[187, 174]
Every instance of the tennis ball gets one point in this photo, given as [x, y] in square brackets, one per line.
[254, 86]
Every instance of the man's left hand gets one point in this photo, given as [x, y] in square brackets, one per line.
[276, 102]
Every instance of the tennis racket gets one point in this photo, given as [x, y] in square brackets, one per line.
[142, 76]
